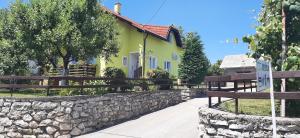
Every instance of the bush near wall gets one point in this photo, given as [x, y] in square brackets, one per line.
[163, 78]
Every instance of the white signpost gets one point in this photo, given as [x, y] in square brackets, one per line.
[265, 81]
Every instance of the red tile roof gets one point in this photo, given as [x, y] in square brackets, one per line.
[161, 32]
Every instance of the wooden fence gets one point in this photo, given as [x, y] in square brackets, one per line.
[13, 83]
[243, 83]
[76, 70]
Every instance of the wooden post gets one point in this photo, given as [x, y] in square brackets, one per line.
[236, 106]
[251, 85]
[209, 86]
[209, 102]
[12, 87]
[219, 89]
[235, 86]
[244, 86]
[48, 87]
[81, 88]
[236, 100]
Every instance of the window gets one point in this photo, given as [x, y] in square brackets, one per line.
[152, 62]
[125, 61]
[167, 66]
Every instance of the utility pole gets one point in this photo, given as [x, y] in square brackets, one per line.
[283, 58]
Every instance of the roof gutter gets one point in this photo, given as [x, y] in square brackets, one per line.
[144, 53]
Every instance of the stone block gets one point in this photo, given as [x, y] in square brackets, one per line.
[65, 126]
[5, 121]
[29, 136]
[44, 105]
[228, 133]
[41, 115]
[33, 124]
[51, 130]
[292, 136]
[21, 123]
[64, 136]
[27, 117]
[46, 122]
[219, 123]
[1, 102]
[75, 131]
[14, 135]
[44, 136]
[21, 106]
[238, 127]
[211, 131]
[67, 104]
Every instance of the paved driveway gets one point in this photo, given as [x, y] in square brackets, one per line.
[179, 121]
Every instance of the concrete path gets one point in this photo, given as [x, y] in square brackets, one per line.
[179, 121]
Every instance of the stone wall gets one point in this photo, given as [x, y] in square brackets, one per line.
[218, 123]
[63, 117]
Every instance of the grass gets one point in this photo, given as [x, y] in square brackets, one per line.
[23, 94]
[250, 106]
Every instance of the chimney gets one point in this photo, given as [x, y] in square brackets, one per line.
[117, 8]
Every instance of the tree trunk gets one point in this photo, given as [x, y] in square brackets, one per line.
[65, 71]
[283, 58]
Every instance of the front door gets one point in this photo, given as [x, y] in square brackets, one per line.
[133, 64]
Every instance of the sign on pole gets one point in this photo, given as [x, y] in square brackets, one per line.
[265, 81]
[262, 75]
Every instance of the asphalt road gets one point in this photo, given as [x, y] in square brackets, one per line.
[179, 121]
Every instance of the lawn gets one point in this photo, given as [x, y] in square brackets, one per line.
[250, 106]
[23, 94]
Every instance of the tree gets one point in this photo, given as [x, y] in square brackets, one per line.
[278, 36]
[194, 64]
[13, 58]
[215, 70]
[65, 29]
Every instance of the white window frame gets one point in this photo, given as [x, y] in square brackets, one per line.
[125, 61]
[167, 67]
[153, 62]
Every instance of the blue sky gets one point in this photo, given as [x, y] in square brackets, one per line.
[214, 20]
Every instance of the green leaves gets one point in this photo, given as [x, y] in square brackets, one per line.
[52, 29]
[194, 64]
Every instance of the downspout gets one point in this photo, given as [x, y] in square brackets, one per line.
[144, 54]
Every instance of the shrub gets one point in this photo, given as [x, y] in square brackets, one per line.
[161, 78]
[119, 76]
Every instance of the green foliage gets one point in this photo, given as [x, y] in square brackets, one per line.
[85, 91]
[13, 59]
[46, 30]
[194, 64]
[268, 40]
[215, 70]
[118, 77]
[161, 78]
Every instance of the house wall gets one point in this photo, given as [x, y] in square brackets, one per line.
[230, 71]
[131, 40]
[163, 51]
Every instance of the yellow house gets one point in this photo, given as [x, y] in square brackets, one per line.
[143, 48]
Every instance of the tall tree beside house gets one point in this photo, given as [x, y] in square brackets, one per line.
[215, 70]
[62, 29]
[194, 63]
[269, 40]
